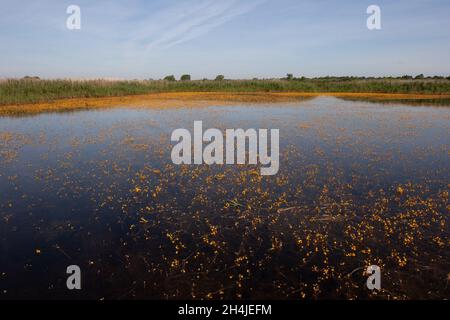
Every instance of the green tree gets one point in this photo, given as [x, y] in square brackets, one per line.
[170, 78]
[420, 76]
[289, 76]
[220, 77]
[185, 77]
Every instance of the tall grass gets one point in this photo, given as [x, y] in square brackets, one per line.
[32, 91]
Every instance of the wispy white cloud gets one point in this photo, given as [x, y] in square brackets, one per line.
[187, 21]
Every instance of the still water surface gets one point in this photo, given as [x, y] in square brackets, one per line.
[359, 184]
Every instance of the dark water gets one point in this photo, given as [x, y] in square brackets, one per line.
[359, 184]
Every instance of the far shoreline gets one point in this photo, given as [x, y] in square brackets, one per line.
[198, 99]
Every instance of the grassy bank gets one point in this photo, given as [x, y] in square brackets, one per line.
[27, 91]
[202, 99]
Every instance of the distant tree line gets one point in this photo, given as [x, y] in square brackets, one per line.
[187, 77]
[290, 77]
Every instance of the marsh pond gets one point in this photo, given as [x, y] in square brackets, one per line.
[359, 184]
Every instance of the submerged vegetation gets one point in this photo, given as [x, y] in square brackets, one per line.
[358, 185]
[34, 90]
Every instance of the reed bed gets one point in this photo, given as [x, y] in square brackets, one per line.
[25, 91]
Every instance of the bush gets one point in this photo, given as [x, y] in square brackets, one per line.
[170, 78]
[185, 77]
[220, 77]
[31, 78]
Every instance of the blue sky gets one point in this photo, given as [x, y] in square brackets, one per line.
[238, 38]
